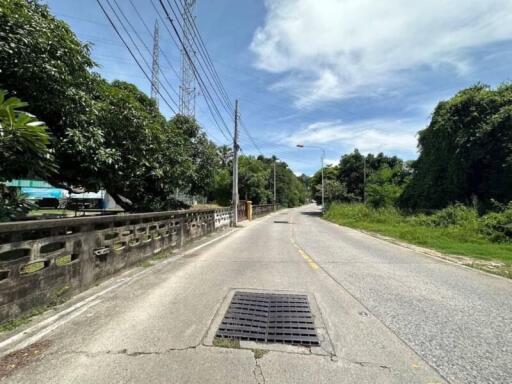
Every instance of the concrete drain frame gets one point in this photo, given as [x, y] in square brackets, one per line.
[312, 333]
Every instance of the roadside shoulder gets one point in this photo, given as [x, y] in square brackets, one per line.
[488, 268]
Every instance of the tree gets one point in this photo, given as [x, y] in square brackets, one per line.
[385, 186]
[253, 180]
[256, 181]
[147, 158]
[108, 136]
[465, 152]
[351, 170]
[23, 142]
[23, 151]
[44, 64]
[334, 190]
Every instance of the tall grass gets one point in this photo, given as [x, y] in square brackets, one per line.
[456, 230]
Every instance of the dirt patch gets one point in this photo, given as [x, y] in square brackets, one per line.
[22, 357]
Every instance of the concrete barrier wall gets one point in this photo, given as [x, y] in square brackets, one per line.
[45, 259]
[264, 209]
[40, 260]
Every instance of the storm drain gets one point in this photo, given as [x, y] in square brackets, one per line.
[269, 318]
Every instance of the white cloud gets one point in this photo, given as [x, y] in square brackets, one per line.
[334, 49]
[331, 161]
[378, 135]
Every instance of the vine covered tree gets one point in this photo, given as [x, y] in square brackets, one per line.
[465, 152]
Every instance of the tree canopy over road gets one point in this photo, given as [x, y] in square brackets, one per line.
[112, 135]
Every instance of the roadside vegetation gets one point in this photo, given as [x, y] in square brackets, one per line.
[455, 198]
[456, 230]
[104, 135]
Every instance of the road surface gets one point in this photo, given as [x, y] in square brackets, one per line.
[391, 315]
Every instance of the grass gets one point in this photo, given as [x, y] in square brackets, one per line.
[42, 212]
[259, 353]
[13, 324]
[462, 239]
[226, 343]
[59, 296]
[145, 264]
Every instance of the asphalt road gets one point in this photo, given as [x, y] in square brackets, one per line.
[391, 315]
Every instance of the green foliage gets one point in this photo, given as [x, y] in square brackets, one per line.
[44, 64]
[452, 231]
[497, 226]
[334, 189]
[465, 152]
[220, 189]
[108, 136]
[291, 190]
[13, 205]
[385, 185]
[23, 142]
[352, 166]
[143, 158]
[385, 179]
[453, 215]
[255, 181]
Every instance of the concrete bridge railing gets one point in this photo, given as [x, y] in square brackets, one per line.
[42, 260]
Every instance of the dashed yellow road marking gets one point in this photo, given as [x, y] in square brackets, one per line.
[313, 265]
[306, 257]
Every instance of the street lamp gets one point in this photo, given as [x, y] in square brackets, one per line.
[322, 162]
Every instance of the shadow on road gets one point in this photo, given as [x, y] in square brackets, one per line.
[312, 213]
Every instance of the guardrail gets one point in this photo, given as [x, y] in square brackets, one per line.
[41, 259]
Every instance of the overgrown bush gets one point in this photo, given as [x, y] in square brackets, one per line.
[456, 219]
[453, 215]
[497, 226]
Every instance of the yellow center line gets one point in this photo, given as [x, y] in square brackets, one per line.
[313, 265]
[303, 253]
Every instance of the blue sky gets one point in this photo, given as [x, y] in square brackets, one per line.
[338, 74]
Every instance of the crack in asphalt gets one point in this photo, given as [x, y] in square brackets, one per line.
[124, 352]
[258, 372]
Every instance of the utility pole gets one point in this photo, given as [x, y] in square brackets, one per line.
[275, 190]
[322, 159]
[156, 64]
[235, 167]
[323, 186]
[187, 87]
[364, 180]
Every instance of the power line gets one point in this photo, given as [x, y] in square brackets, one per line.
[187, 86]
[204, 54]
[149, 32]
[200, 80]
[136, 46]
[131, 52]
[155, 70]
[221, 129]
[187, 22]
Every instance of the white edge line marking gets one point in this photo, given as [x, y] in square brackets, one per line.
[38, 336]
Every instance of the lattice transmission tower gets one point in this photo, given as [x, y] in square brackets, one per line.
[156, 65]
[188, 86]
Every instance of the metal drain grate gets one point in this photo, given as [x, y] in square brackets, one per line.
[269, 318]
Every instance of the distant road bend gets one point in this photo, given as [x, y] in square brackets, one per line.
[388, 315]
